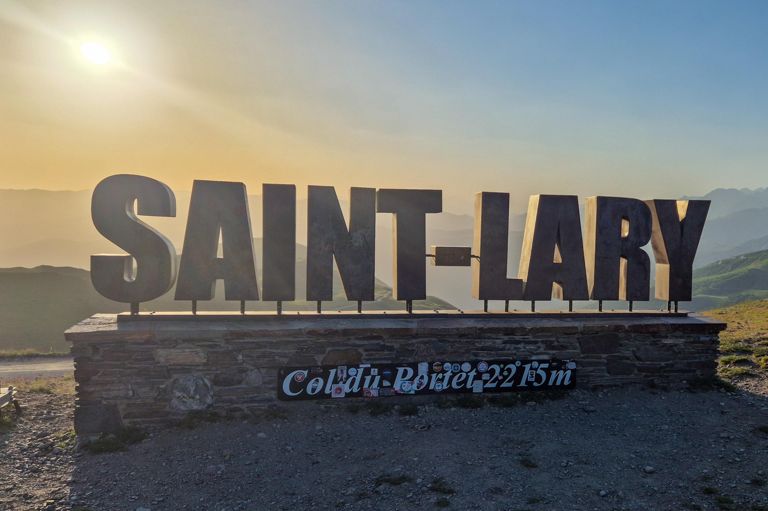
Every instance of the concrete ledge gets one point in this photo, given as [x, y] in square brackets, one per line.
[128, 326]
[389, 314]
[150, 370]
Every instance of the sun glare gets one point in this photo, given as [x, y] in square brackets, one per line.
[95, 53]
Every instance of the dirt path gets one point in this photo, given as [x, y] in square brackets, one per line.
[617, 450]
[34, 367]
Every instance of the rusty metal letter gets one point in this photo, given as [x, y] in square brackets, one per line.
[409, 208]
[677, 228]
[353, 248]
[279, 274]
[617, 266]
[218, 208]
[115, 203]
[552, 261]
[491, 246]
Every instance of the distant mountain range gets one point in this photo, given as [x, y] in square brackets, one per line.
[731, 200]
[736, 224]
[53, 228]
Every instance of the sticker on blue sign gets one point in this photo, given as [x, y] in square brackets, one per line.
[420, 378]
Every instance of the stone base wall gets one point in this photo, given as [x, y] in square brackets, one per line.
[153, 370]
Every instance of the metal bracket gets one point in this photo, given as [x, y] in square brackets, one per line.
[450, 256]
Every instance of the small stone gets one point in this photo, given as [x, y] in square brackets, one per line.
[261, 435]
[649, 469]
[603, 493]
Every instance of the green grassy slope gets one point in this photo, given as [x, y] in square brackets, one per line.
[730, 281]
[744, 344]
[38, 304]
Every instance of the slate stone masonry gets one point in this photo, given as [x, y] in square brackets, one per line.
[152, 370]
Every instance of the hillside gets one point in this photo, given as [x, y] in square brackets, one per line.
[38, 304]
[729, 281]
[744, 344]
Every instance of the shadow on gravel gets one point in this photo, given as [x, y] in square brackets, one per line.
[621, 449]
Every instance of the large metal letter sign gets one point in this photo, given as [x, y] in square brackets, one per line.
[353, 248]
[218, 210]
[115, 203]
[677, 228]
[617, 266]
[491, 246]
[611, 263]
[553, 251]
[409, 208]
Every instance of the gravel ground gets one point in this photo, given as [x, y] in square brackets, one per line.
[615, 450]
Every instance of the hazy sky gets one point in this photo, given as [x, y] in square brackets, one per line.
[633, 98]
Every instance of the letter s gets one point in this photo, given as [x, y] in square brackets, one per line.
[114, 205]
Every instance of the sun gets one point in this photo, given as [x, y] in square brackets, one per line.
[96, 53]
